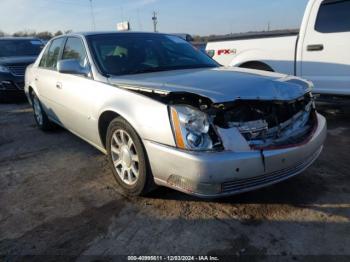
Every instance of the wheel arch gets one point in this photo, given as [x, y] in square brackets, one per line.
[255, 64]
[30, 93]
[106, 117]
[104, 121]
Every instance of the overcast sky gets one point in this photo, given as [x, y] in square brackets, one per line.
[202, 17]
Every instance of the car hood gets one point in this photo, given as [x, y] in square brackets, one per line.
[218, 84]
[17, 60]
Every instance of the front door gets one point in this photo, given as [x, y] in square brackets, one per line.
[77, 93]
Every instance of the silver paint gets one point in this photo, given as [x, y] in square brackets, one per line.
[81, 100]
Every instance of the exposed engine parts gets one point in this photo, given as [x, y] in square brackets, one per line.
[269, 123]
[262, 123]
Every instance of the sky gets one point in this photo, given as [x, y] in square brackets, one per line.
[199, 17]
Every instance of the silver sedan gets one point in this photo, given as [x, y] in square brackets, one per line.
[166, 114]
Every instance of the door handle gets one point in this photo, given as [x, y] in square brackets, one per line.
[312, 48]
[59, 85]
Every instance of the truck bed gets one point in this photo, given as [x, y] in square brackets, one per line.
[254, 35]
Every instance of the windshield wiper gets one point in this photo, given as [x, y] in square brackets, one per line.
[145, 70]
[168, 68]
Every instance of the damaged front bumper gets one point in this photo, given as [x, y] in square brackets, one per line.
[217, 174]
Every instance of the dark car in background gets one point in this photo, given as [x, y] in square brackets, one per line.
[15, 55]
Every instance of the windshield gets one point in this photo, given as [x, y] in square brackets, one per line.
[121, 54]
[11, 48]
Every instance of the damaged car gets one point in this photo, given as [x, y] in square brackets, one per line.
[166, 114]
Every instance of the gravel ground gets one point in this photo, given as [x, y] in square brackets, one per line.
[58, 197]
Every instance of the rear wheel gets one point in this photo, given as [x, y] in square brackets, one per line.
[40, 115]
[128, 159]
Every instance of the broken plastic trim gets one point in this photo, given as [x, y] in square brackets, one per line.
[141, 89]
[266, 124]
[171, 98]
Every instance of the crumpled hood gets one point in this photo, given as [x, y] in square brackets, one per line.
[219, 84]
[17, 60]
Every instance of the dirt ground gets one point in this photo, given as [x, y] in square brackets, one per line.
[58, 197]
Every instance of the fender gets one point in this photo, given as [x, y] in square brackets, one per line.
[30, 84]
[252, 55]
[147, 116]
[256, 55]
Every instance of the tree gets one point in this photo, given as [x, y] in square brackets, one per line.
[46, 35]
[59, 32]
[2, 33]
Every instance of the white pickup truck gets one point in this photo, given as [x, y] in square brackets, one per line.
[319, 52]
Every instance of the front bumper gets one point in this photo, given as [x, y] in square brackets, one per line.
[216, 174]
[11, 86]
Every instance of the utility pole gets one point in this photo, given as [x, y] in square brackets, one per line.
[93, 24]
[268, 26]
[155, 21]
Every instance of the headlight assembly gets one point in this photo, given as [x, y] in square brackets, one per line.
[191, 128]
[4, 69]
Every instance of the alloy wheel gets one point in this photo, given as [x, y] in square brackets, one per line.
[125, 157]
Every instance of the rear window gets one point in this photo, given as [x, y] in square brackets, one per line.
[50, 57]
[12, 48]
[333, 16]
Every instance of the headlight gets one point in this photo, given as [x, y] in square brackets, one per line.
[4, 69]
[191, 128]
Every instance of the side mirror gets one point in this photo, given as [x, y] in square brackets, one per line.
[72, 66]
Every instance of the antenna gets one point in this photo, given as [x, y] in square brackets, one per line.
[155, 21]
[93, 24]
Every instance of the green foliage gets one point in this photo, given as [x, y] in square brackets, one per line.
[45, 35]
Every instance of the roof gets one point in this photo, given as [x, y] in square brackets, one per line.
[111, 32]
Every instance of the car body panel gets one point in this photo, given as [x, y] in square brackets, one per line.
[12, 82]
[230, 166]
[221, 84]
[17, 60]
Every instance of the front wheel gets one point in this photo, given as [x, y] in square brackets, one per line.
[128, 159]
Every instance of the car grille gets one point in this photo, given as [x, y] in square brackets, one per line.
[271, 178]
[20, 85]
[17, 70]
[9, 85]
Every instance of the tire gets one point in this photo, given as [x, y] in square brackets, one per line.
[128, 159]
[40, 115]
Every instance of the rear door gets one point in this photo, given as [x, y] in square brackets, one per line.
[326, 47]
[46, 78]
